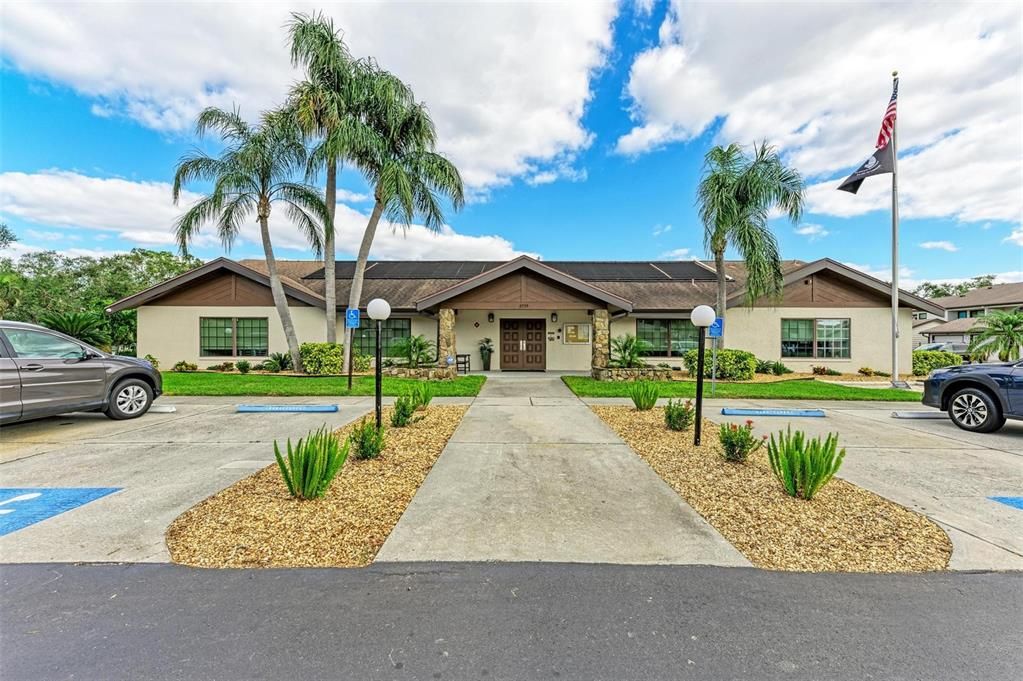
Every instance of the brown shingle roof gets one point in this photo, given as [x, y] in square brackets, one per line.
[955, 326]
[999, 294]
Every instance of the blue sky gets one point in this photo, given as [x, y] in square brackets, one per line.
[580, 129]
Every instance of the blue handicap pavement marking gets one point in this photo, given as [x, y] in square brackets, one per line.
[258, 408]
[1015, 502]
[773, 412]
[23, 506]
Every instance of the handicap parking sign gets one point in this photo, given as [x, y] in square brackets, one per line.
[717, 328]
[24, 506]
[352, 318]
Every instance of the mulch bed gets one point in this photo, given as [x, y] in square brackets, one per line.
[256, 523]
[844, 528]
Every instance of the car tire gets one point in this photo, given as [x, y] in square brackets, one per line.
[975, 410]
[130, 399]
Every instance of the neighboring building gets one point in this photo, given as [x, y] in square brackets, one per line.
[923, 321]
[962, 311]
[540, 315]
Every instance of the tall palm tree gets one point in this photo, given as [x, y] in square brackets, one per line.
[252, 173]
[409, 178]
[326, 106]
[736, 196]
[1000, 331]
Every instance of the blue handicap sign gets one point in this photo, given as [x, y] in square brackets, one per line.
[717, 328]
[23, 506]
[352, 318]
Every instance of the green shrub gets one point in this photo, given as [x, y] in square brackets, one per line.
[644, 395]
[804, 466]
[185, 366]
[270, 366]
[322, 359]
[925, 361]
[770, 366]
[404, 411]
[282, 360]
[866, 371]
[223, 366]
[422, 395]
[732, 365]
[416, 350]
[679, 415]
[627, 352]
[368, 440]
[663, 365]
[152, 360]
[244, 366]
[824, 371]
[778, 369]
[361, 363]
[312, 463]
[738, 442]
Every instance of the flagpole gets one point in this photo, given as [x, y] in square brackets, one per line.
[896, 381]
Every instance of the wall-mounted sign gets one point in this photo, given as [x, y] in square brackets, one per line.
[577, 334]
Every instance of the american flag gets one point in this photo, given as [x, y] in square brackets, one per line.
[888, 122]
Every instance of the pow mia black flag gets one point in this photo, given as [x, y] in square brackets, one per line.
[878, 164]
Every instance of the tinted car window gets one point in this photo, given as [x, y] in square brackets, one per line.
[41, 345]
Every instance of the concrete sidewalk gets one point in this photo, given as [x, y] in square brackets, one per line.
[532, 474]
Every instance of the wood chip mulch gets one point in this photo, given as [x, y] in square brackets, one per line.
[844, 528]
[256, 523]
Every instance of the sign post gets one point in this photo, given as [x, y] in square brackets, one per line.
[351, 324]
[715, 331]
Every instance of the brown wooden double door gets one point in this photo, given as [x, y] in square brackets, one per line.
[523, 344]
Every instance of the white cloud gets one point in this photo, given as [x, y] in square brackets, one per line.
[959, 103]
[142, 213]
[507, 83]
[676, 254]
[811, 231]
[909, 279]
[939, 246]
[51, 236]
[644, 7]
[1016, 237]
[352, 197]
[661, 229]
[18, 249]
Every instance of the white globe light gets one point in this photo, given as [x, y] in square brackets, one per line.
[378, 308]
[702, 315]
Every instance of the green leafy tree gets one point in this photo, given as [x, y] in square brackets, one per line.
[409, 178]
[735, 197]
[1000, 332]
[254, 171]
[7, 236]
[942, 290]
[327, 106]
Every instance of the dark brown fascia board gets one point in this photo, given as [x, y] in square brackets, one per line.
[523, 262]
[874, 283]
[153, 292]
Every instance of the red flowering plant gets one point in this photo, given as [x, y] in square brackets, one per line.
[738, 442]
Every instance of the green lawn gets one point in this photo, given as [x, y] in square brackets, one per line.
[205, 384]
[781, 390]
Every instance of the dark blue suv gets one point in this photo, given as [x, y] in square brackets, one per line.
[977, 397]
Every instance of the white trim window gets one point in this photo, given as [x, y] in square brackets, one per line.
[816, 338]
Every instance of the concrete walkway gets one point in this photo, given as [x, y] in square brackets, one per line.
[532, 474]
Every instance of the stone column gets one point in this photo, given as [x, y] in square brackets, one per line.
[601, 343]
[445, 335]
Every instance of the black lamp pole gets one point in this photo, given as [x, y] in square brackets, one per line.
[379, 372]
[699, 385]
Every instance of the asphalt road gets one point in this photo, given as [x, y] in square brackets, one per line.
[505, 621]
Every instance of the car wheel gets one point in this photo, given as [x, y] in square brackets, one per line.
[129, 399]
[975, 410]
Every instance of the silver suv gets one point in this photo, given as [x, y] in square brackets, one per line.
[43, 373]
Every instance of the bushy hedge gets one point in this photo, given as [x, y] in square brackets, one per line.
[732, 365]
[322, 358]
[926, 360]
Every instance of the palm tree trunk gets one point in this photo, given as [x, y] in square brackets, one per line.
[277, 289]
[719, 267]
[360, 267]
[329, 278]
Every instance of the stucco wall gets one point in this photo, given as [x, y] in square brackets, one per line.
[560, 357]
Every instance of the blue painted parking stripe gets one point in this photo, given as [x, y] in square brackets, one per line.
[24, 506]
[255, 408]
[772, 412]
[1015, 502]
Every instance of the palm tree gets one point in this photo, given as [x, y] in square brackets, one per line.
[251, 174]
[408, 176]
[326, 106]
[88, 327]
[1000, 331]
[736, 195]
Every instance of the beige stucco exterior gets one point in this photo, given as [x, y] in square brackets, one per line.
[471, 326]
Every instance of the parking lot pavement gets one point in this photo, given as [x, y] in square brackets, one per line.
[160, 465]
[929, 465]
